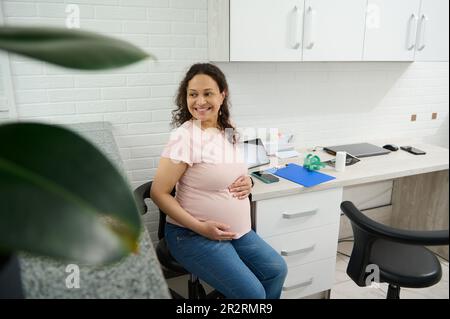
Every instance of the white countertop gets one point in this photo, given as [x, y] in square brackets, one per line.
[369, 169]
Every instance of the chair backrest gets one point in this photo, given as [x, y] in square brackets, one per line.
[141, 194]
[366, 231]
[162, 219]
[366, 227]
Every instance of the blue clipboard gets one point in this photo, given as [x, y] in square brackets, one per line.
[300, 175]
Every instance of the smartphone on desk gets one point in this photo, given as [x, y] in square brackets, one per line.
[265, 177]
[413, 150]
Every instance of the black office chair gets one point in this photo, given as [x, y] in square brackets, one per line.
[400, 255]
[170, 267]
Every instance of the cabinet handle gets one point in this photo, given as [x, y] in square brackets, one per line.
[299, 214]
[295, 43]
[411, 33]
[297, 251]
[421, 44]
[310, 42]
[299, 285]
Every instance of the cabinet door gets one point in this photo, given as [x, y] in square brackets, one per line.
[266, 30]
[391, 30]
[432, 31]
[333, 30]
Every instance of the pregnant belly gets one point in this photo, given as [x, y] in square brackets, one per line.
[220, 207]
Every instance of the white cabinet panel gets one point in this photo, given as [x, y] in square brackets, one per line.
[7, 100]
[432, 31]
[266, 30]
[333, 30]
[219, 30]
[302, 247]
[298, 212]
[309, 279]
[371, 195]
[304, 229]
[391, 30]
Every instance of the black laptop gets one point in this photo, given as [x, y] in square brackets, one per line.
[358, 150]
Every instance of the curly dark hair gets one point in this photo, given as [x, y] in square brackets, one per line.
[182, 114]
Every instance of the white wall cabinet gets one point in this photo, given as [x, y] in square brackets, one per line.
[406, 30]
[333, 30]
[432, 31]
[262, 31]
[391, 30]
[328, 30]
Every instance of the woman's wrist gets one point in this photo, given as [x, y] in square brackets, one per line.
[197, 226]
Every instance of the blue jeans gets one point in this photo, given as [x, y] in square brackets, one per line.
[244, 268]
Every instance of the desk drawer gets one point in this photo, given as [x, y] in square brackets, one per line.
[296, 212]
[306, 246]
[309, 279]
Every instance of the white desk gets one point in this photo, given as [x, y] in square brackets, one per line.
[303, 223]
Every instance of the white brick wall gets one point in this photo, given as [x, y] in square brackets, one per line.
[322, 103]
[328, 103]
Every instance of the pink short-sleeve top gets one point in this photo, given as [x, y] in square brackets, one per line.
[214, 164]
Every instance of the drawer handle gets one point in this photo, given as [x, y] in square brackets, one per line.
[299, 285]
[297, 251]
[298, 215]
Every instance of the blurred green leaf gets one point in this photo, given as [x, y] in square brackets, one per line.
[61, 197]
[70, 48]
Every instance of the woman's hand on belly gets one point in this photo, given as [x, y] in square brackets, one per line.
[215, 230]
[241, 187]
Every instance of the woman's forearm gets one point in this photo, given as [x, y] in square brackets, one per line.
[170, 206]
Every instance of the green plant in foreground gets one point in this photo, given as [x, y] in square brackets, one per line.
[59, 196]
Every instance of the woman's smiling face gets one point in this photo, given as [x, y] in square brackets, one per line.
[204, 99]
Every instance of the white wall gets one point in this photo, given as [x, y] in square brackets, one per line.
[329, 103]
[322, 103]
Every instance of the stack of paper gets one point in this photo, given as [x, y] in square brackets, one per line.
[287, 154]
[272, 148]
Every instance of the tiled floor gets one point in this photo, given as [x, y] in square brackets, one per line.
[345, 288]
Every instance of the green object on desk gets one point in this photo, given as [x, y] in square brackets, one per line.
[313, 163]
